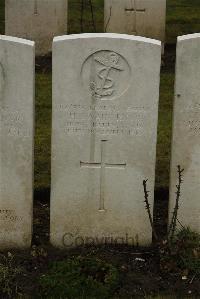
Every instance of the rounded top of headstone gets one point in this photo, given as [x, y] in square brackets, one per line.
[107, 35]
[17, 40]
[188, 36]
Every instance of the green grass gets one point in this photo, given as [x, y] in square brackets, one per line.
[2, 17]
[183, 16]
[75, 16]
[164, 129]
[9, 273]
[43, 131]
[89, 278]
[187, 248]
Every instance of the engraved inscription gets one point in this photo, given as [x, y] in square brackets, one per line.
[191, 118]
[194, 126]
[13, 123]
[105, 75]
[9, 215]
[102, 165]
[102, 120]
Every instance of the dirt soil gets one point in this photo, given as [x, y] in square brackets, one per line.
[140, 268]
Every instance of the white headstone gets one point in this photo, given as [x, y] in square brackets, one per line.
[137, 17]
[186, 131]
[105, 104]
[37, 20]
[16, 141]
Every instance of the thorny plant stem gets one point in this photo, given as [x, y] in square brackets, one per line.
[108, 19]
[146, 196]
[172, 227]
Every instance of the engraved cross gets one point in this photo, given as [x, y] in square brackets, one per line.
[103, 165]
[35, 7]
[135, 11]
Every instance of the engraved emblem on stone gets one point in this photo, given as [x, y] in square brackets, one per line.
[106, 75]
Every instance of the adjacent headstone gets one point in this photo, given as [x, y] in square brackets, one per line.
[186, 132]
[138, 17]
[37, 20]
[16, 141]
[105, 106]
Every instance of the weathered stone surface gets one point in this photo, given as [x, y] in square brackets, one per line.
[37, 20]
[186, 131]
[16, 141]
[105, 104]
[137, 17]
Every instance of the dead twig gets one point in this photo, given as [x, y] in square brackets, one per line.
[172, 227]
[106, 26]
[191, 281]
[92, 15]
[146, 196]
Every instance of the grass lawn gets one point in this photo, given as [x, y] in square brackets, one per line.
[183, 17]
[2, 17]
